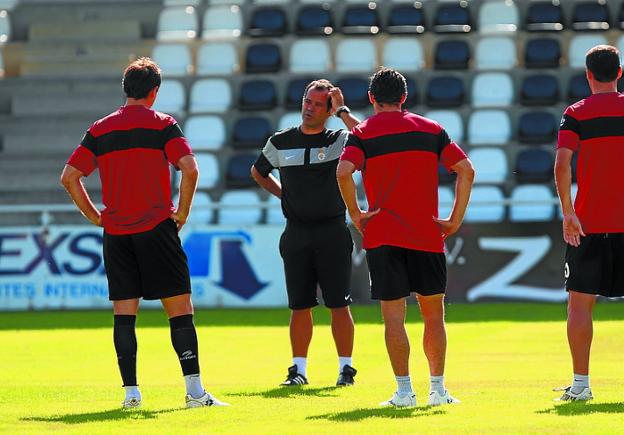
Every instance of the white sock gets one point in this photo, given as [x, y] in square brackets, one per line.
[436, 383]
[132, 391]
[302, 365]
[194, 386]
[579, 382]
[344, 361]
[404, 385]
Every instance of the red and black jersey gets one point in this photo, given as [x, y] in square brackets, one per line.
[595, 128]
[132, 148]
[398, 154]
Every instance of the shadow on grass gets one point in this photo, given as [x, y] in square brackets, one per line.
[286, 392]
[580, 408]
[108, 415]
[364, 413]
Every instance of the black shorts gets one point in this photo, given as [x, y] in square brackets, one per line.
[596, 266]
[396, 272]
[317, 255]
[151, 264]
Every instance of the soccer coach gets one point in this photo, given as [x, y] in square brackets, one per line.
[143, 256]
[593, 228]
[398, 153]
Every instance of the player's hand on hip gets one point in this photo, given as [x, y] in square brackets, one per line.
[179, 218]
[361, 218]
[572, 229]
[447, 226]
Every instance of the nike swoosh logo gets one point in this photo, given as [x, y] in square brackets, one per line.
[347, 297]
[289, 157]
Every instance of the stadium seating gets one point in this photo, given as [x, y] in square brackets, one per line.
[314, 20]
[590, 15]
[578, 88]
[445, 201]
[289, 119]
[174, 59]
[498, 17]
[406, 19]
[263, 58]
[237, 171]
[412, 93]
[251, 132]
[202, 213]
[294, 92]
[403, 54]
[445, 91]
[452, 54]
[274, 211]
[492, 90]
[489, 127]
[495, 52]
[451, 121]
[177, 24]
[240, 207]
[538, 207]
[537, 127]
[302, 60]
[217, 58]
[542, 53]
[210, 95]
[356, 55]
[452, 18]
[209, 175]
[171, 97]
[544, 16]
[355, 91]
[268, 21]
[490, 165]
[205, 132]
[539, 90]
[5, 27]
[534, 166]
[222, 21]
[485, 205]
[257, 95]
[579, 45]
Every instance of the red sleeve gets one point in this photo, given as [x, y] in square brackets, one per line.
[354, 152]
[83, 159]
[452, 154]
[569, 131]
[176, 145]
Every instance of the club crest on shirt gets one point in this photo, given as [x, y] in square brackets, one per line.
[321, 154]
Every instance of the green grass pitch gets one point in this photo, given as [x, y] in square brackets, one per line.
[58, 374]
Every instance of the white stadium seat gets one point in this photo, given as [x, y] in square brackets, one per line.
[177, 24]
[580, 45]
[205, 132]
[542, 210]
[217, 58]
[356, 55]
[451, 121]
[223, 21]
[173, 59]
[498, 17]
[274, 213]
[310, 56]
[489, 127]
[492, 90]
[171, 97]
[208, 170]
[210, 95]
[245, 211]
[490, 165]
[445, 201]
[495, 53]
[403, 54]
[492, 210]
[199, 215]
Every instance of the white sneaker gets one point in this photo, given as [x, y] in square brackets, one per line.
[569, 396]
[206, 400]
[397, 401]
[436, 399]
[133, 402]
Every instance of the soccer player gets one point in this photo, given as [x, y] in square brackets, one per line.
[593, 226]
[316, 244]
[398, 153]
[132, 148]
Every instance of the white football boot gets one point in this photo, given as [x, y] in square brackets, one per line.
[437, 399]
[407, 401]
[206, 400]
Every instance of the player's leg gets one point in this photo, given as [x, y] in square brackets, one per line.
[124, 286]
[334, 246]
[580, 333]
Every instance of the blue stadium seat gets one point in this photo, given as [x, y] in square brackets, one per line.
[263, 58]
[294, 92]
[544, 16]
[314, 20]
[590, 15]
[361, 20]
[542, 53]
[452, 54]
[445, 176]
[355, 91]
[537, 207]
[537, 127]
[445, 91]
[539, 90]
[452, 18]
[620, 20]
[406, 19]
[237, 173]
[267, 21]
[251, 132]
[578, 88]
[257, 95]
[412, 93]
[534, 166]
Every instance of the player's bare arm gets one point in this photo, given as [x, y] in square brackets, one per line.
[268, 183]
[463, 186]
[188, 184]
[71, 179]
[572, 229]
[344, 174]
[337, 101]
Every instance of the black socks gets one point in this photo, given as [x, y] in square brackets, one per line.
[184, 340]
[124, 337]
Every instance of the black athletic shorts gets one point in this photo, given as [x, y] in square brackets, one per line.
[396, 272]
[317, 255]
[151, 264]
[596, 266]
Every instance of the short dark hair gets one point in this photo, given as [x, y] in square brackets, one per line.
[321, 84]
[604, 62]
[140, 77]
[387, 86]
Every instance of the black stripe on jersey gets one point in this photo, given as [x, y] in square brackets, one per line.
[88, 141]
[123, 140]
[604, 126]
[399, 142]
[569, 123]
[171, 132]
